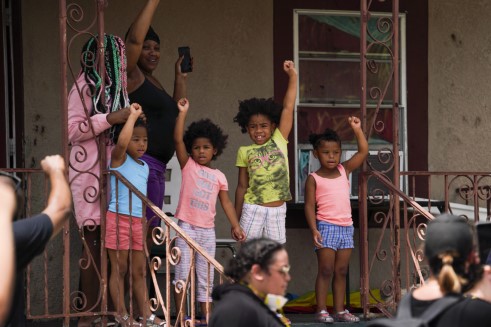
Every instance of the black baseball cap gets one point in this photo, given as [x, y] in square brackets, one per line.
[449, 233]
[484, 240]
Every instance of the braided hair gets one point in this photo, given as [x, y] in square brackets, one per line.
[260, 251]
[115, 87]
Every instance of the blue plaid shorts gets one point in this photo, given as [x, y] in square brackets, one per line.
[336, 237]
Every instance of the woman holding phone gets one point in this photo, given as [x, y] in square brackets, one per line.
[143, 55]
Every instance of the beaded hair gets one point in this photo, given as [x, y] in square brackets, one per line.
[115, 87]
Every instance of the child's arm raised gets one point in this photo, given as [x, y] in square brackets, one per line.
[118, 154]
[309, 209]
[242, 185]
[286, 120]
[181, 152]
[360, 156]
[237, 232]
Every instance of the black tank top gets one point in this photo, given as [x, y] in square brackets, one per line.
[161, 112]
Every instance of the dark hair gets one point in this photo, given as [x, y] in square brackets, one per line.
[449, 242]
[329, 135]
[151, 35]
[258, 251]
[119, 127]
[255, 106]
[207, 129]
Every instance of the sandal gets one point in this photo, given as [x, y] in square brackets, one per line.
[88, 321]
[201, 322]
[345, 316]
[124, 321]
[98, 323]
[198, 322]
[151, 321]
[324, 317]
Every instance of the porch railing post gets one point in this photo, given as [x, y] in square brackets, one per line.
[64, 152]
[395, 144]
[102, 162]
[363, 212]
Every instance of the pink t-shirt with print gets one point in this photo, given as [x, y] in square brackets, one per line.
[198, 196]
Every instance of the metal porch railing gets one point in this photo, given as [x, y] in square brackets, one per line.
[398, 245]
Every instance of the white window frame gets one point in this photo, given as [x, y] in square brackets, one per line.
[402, 86]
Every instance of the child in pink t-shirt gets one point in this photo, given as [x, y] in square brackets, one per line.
[332, 227]
[201, 185]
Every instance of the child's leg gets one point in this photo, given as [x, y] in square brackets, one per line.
[139, 269]
[205, 308]
[205, 274]
[253, 220]
[119, 268]
[339, 281]
[181, 271]
[325, 272]
[275, 223]
[139, 286]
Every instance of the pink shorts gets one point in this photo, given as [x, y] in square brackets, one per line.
[124, 232]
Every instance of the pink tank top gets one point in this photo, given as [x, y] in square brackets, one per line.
[332, 196]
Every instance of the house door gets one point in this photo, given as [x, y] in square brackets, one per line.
[11, 90]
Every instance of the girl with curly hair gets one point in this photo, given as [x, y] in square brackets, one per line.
[201, 185]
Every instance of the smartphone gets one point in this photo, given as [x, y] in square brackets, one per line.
[186, 66]
[484, 240]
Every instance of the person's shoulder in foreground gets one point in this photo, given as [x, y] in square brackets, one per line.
[471, 312]
[253, 312]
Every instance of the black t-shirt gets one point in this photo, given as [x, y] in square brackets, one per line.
[419, 306]
[236, 305]
[30, 238]
[468, 312]
[161, 112]
[471, 312]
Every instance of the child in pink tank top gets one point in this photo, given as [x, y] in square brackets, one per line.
[327, 189]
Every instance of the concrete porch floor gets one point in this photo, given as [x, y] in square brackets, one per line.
[298, 320]
[309, 320]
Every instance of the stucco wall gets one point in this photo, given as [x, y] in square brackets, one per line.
[459, 64]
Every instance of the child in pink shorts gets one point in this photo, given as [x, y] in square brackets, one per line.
[124, 235]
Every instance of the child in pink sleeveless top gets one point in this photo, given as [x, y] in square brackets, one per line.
[328, 190]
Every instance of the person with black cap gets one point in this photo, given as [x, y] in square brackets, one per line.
[143, 55]
[450, 249]
[482, 289]
[475, 309]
